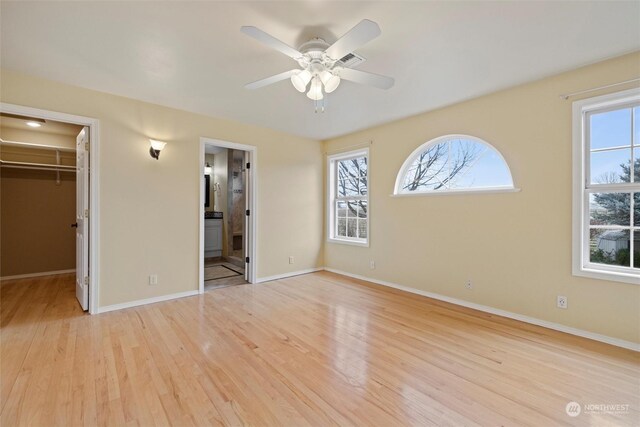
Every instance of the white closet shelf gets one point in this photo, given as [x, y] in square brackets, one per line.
[36, 146]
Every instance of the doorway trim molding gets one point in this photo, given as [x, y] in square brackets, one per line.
[253, 197]
[94, 186]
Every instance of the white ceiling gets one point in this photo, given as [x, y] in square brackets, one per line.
[192, 56]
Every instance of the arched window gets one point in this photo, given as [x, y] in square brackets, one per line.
[454, 163]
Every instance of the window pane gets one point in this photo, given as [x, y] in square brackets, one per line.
[610, 208]
[341, 209]
[636, 164]
[342, 227]
[611, 129]
[484, 168]
[608, 167]
[636, 126]
[456, 163]
[636, 209]
[364, 188]
[429, 169]
[362, 165]
[352, 227]
[352, 168]
[362, 209]
[636, 249]
[362, 228]
[348, 187]
[609, 247]
[352, 209]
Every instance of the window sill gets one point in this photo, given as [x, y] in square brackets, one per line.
[452, 192]
[614, 276]
[348, 242]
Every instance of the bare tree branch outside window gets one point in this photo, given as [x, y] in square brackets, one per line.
[352, 189]
[441, 164]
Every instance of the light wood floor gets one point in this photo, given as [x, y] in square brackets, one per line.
[319, 349]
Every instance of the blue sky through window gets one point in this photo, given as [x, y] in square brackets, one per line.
[612, 129]
[489, 170]
[456, 163]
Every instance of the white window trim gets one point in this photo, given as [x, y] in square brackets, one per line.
[331, 196]
[581, 265]
[397, 189]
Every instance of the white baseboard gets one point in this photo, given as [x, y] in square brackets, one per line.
[147, 301]
[532, 320]
[290, 274]
[44, 273]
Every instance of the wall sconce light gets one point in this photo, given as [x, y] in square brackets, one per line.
[207, 169]
[156, 147]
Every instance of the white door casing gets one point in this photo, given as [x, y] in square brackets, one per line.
[251, 190]
[247, 188]
[82, 222]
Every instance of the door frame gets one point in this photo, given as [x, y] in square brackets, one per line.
[252, 228]
[94, 186]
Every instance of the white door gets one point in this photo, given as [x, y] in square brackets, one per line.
[247, 218]
[82, 220]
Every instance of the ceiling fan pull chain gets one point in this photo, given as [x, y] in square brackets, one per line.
[319, 103]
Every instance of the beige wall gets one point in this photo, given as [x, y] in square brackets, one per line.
[515, 247]
[36, 213]
[149, 208]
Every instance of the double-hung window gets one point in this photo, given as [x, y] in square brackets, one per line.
[607, 187]
[348, 204]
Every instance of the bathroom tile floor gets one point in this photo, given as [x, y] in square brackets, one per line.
[219, 273]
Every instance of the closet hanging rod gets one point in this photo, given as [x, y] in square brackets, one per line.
[47, 166]
[37, 168]
[34, 145]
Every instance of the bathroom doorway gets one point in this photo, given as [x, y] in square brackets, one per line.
[227, 219]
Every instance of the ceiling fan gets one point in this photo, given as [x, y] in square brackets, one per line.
[322, 64]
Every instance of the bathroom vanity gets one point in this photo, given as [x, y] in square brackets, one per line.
[212, 237]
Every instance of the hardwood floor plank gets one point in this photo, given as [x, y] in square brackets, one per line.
[318, 349]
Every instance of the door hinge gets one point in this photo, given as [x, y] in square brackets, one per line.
[248, 165]
[86, 280]
[86, 213]
[246, 260]
[248, 212]
[86, 146]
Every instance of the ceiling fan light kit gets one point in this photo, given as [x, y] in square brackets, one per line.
[315, 92]
[330, 81]
[321, 64]
[301, 79]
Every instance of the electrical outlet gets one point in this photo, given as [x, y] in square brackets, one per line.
[153, 279]
[290, 260]
[562, 302]
[372, 264]
[468, 285]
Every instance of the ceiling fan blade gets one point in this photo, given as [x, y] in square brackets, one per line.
[270, 80]
[362, 33]
[369, 79]
[271, 41]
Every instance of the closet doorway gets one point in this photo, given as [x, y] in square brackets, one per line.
[48, 181]
[227, 214]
